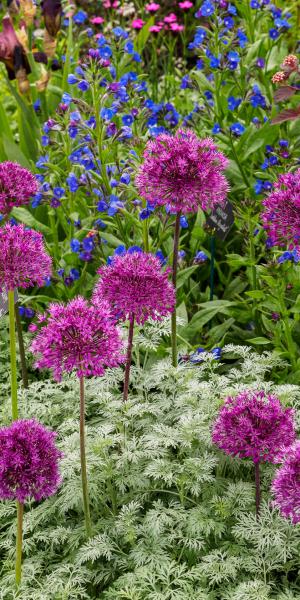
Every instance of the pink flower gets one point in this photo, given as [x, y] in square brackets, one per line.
[182, 172]
[152, 7]
[17, 185]
[23, 259]
[28, 461]
[137, 24]
[281, 215]
[135, 285]
[155, 28]
[171, 18]
[77, 336]
[254, 425]
[185, 5]
[97, 20]
[176, 27]
[286, 485]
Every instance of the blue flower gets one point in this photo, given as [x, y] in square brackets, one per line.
[242, 38]
[125, 178]
[74, 274]
[72, 79]
[273, 33]
[216, 128]
[127, 119]
[207, 9]
[200, 257]
[183, 222]
[105, 52]
[233, 102]
[88, 244]
[102, 206]
[58, 192]
[233, 59]
[72, 182]
[129, 47]
[42, 162]
[237, 128]
[120, 250]
[120, 33]
[159, 254]
[83, 85]
[134, 249]
[75, 245]
[80, 17]
[285, 256]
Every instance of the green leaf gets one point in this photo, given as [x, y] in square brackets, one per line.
[185, 274]
[259, 341]
[257, 294]
[143, 35]
[14, 153]
[66, 71]
[23, 215]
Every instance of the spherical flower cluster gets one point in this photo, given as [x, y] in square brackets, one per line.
[135, 285]
[29, 461]
[77, 336]
[17, 185]
[23, 259]
[279, 77]
[281, 215]
[183, 172]
[286, 485]
[254, 425]
[291, 62]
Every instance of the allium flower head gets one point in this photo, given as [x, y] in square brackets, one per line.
[77, 336]
[281, 215]
[134, 284]
[17, 185]
[286, 485]
[183, 172]
[28, 461]
[254, 425]
[23, 259]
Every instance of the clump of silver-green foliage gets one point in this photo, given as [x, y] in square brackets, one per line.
[174, 518]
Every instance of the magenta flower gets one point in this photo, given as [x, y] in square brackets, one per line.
[76, 336]
[281, 215]
[23, 259]
[183, 172]
[135, 285]
[286, 485]
[28, 461]
[17, 185]
[254, 425]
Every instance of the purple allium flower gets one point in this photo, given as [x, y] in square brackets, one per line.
[281, 215]
[23, 259]
[183, 172]
[17, 185]
[77, 336]
[254, 425]
[286, 485]
[134, 284]
[28, 461]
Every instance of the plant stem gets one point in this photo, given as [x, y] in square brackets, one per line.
[212, 266]
[174, 281]
[128, 358]
[21, 346]
[85, 491]
[257, 488]
[146, 236]
[13, 356]
[19, 540]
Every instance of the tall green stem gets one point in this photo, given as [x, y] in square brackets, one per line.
[21, 346]
[19, 541]
[128, 358]
[257, 488]
[84, 480]
[146, 236]
[174, 281]
[13, 355]
[212, 266]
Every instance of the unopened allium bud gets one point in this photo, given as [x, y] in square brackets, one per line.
[279, 77]
[290, 62]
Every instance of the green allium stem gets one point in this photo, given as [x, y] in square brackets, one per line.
[174, 281]
[257, 488]
[13, 355]
[21, 346]
[84, 480]
[128, 358]
[19, 541]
